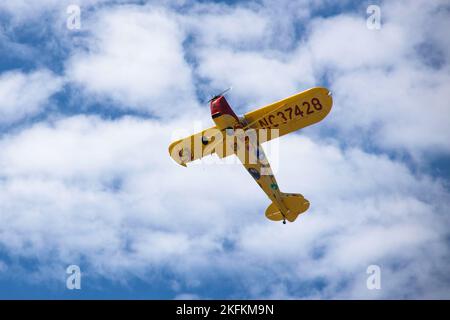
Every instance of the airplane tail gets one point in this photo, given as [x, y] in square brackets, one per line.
[295, 204]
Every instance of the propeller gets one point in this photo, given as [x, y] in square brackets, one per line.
[220, 94]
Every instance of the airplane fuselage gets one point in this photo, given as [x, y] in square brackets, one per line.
[226, 119]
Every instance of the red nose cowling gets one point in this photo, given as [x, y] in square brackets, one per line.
[220, 106]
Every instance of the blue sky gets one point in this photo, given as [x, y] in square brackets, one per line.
[86, 117]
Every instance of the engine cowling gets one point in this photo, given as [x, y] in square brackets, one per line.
[222, 114]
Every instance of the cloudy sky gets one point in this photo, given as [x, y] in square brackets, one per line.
[86, 116]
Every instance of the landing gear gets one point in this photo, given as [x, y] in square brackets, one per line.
[284, 221]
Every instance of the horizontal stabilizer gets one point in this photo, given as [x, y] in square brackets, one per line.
[295, 204]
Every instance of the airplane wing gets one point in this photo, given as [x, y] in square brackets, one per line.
[199, 145]
[292, 113]
[287, 115]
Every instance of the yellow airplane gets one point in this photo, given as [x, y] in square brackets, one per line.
[244, 135]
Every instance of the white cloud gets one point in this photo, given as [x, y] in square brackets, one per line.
[30, 11]
[256, 79]
[26, 94]
[367, 48]
[365, 209]
[135, 56]
[220, 25]
[107, 191]
[74, 181]
[22, 9]
[250, 49]
[406, 110]
[387, 90]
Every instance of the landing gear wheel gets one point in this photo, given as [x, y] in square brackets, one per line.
[284, 221]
